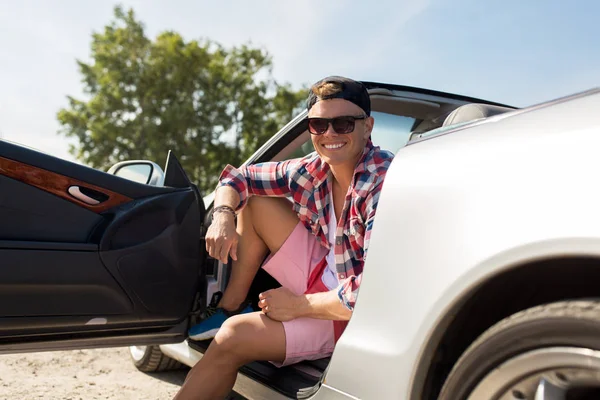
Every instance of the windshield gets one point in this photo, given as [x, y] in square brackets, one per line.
[391, 132]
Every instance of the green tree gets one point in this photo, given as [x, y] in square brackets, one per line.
[211, 105]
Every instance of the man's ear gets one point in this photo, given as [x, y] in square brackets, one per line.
[369, 122]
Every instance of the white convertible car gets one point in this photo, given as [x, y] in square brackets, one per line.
[482, 280]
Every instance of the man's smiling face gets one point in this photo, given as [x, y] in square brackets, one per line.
[340, 149]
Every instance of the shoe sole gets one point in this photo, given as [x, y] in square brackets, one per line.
[205, 335]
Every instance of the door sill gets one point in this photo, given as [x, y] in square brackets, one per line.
[91, 343]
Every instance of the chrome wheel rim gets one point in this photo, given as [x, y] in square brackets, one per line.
[544, 374]
[137, 352]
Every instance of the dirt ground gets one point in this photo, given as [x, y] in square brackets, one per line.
[83, 374]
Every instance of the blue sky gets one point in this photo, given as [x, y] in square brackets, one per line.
[512, 51]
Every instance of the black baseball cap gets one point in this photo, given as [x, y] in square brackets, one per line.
[351, 90]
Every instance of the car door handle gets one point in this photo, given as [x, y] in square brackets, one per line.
[85, 195]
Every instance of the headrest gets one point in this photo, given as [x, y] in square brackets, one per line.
[472, 112]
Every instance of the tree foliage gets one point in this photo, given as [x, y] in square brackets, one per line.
[211, 105]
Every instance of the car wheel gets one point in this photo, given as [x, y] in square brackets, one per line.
[546, 352]
[152, 359]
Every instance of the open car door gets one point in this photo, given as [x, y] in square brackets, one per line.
[89, 259]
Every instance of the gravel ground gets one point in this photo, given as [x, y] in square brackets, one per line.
[83, 374]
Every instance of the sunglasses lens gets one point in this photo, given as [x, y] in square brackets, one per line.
[340, 125]
[318, 125]
[343, 125]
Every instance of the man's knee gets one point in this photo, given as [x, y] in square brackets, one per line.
[264, 212]
[248, 337]
[230, 337]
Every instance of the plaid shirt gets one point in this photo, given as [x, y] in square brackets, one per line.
[305, 181]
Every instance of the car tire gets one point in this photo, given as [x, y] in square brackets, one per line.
[152, 359]
[531, 349]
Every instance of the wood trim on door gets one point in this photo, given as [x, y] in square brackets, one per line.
[58, 185]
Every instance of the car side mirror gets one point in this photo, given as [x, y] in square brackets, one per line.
[141, 171]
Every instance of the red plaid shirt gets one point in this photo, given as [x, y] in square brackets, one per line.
[305, 181]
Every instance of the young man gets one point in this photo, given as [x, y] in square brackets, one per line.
[316, 244]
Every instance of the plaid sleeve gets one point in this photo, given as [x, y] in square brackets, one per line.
[264, 179]
[371, 207]
[348, 289]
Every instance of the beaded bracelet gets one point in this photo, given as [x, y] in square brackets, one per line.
[225, 209]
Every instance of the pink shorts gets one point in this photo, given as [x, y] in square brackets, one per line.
[292, 265]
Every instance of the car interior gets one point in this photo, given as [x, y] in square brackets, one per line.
[400, 116]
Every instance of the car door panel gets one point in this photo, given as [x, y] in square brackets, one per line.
[27, 215]
[30, 158]
[143, 248]
[67, 283]
[121, 268]
[68, 188]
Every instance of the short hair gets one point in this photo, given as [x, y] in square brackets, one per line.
[326, 89]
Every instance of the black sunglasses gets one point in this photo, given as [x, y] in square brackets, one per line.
[340, 125]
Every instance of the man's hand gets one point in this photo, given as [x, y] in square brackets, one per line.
[221, 237]
[281, 304]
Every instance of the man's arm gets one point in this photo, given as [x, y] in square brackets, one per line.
[227, 196]
[231, 196]
[282, 305]
[264, 179]
[221, 237]
[324, 305]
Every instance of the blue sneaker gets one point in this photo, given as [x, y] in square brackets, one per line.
[215, 317]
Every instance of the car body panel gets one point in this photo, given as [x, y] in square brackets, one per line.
[457, 209]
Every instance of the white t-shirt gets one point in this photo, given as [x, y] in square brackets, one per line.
[329, 276]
